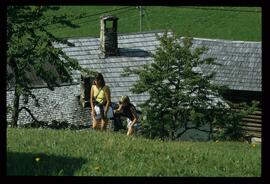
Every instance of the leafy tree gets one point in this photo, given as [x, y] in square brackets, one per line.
[181, 96]
[31, 52]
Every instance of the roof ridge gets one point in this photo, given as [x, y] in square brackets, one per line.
[223, 40]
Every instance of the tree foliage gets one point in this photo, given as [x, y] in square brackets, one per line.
[31, 52]
[181, 96]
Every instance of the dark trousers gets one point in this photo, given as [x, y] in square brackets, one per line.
[118, 122]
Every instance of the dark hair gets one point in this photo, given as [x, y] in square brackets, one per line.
[99, 77]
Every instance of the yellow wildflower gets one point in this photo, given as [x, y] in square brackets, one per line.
[97, 168]
[37, 159]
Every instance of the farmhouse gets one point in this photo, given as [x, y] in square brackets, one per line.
[240, 70]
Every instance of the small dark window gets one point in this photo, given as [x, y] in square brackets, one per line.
[86, 83]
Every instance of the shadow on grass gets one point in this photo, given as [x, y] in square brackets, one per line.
[30, 164]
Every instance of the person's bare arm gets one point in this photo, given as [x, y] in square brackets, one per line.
[119, 108]
[91, 101]
[108, 100]
[134, 114]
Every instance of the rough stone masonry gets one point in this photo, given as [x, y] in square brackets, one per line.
[62, 104]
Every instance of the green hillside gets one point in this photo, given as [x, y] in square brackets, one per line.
[232, 23]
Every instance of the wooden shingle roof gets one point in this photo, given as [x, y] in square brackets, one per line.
[240, 70]
[240, 63]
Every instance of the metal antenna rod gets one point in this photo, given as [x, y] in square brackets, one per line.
[141, 17]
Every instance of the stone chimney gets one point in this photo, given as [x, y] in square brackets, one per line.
[108, 35]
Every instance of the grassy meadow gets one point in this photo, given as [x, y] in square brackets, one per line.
[89, 153]
[231, 23]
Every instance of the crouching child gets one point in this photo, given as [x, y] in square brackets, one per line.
[126, 108]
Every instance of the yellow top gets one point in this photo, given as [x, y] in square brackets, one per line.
[101, 95]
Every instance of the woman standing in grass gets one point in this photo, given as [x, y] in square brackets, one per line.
[129, 110]
[100, 99]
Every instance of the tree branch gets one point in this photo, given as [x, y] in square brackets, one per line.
[29, 111]
[9, 88]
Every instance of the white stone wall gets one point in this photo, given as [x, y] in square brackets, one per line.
[62, 104]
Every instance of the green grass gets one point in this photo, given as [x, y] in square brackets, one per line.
[90, 153]
[232, 23]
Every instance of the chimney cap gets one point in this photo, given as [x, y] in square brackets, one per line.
[109, 17]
